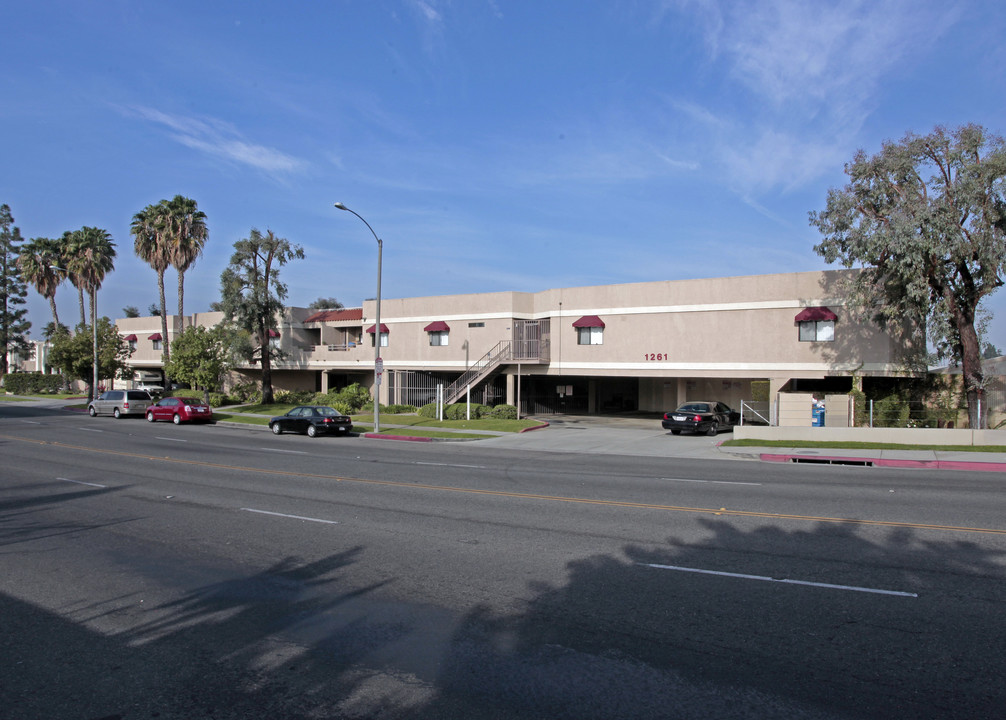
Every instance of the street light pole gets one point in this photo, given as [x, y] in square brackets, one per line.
[378, 365]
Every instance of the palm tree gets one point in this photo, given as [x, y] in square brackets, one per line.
[187, 235]
[92, 257]
[39, 261]
[149, 244]
[66, 252]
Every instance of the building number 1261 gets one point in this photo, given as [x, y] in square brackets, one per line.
[654, 356]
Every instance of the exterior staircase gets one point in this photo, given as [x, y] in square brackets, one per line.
[478, 372]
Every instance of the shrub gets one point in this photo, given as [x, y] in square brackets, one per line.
[246, 392]
[295, 397]
[355, 396]
[218, 399]
[504, 412]
[400, 409]
[459, 411]
[429, 410]
[890, 411]
[32, 383]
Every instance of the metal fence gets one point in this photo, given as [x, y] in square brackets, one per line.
[418, 388]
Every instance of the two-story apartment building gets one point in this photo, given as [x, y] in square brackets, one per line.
[640, 346]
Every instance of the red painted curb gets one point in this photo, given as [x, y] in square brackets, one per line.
[895, 463]
[536, 427]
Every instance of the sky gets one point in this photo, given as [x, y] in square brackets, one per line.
[493, 145]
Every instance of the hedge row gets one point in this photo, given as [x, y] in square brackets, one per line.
[32, 383]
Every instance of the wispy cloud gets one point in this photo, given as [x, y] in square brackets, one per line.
[811, 74]
[221, 140]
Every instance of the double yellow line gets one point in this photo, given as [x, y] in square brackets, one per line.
[529, 496]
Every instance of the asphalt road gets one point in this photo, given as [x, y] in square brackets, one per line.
[210, 572]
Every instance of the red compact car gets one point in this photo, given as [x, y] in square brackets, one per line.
[179, 410]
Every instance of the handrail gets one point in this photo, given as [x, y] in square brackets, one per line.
[501, 352]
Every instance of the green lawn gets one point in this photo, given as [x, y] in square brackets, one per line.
[411, 425]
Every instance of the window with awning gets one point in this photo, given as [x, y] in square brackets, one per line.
[439, 332]
[156, 337]
[372, 331]
[589, 330]
[817, 324]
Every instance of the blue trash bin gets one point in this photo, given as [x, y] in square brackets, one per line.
[819, 417]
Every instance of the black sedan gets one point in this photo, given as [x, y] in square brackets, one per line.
[313, 420]
[697, 417]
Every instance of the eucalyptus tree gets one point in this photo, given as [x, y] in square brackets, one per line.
[40, 262]
[14, 325]
[150, 245]
[925, 220]
[252, 293]
[186, 236]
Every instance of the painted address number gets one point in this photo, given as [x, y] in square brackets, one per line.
[654, 356]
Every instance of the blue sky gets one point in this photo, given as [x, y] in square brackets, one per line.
[492, 144]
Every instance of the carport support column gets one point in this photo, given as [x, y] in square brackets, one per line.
[511, 389]
[775, 386]
[324, 381]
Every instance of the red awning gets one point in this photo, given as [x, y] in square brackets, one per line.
[815, 314]
[437, 326]
[272, 333]
[155, 336]
[130, 338]
[589, 321]
[384, 328]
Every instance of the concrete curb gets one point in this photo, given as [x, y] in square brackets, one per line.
[975, 466]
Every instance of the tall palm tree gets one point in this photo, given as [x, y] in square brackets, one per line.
[93, 256]
[66, 252]
[150, 245]
[187, 235]
[39, 261]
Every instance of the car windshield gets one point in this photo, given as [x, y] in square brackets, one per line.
[694, 407]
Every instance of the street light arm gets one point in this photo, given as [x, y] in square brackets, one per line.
[380, 242]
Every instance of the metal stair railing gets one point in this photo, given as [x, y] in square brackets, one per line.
[478, 372]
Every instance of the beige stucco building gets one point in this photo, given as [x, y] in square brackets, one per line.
[640, 346]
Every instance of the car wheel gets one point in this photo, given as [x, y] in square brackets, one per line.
[116, 413]
[675, 432]
[91, 411]
[312, 431]
[150, 417]
[713, 429]
[176, 419]
[276, 429]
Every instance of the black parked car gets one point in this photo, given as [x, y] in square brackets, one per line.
[697, 416]
[313, 420]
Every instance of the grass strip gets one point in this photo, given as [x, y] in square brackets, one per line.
[750, 442]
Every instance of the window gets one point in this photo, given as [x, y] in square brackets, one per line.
[132, 346]
[817, 331]
[590, 336]
[384, 339]
[157, 344]
[476, 324]
[438, 337]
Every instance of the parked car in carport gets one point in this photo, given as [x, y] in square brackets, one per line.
[179, 410]
[313, 420]
[701, 417]
[120, 402]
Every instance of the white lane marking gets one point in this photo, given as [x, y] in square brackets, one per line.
[474, 467]
[31, 422]
[81, 482]
[764, 578]
[158, 437]
[90, 429]
[711, 482]
[290, 452]
[294, 517]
